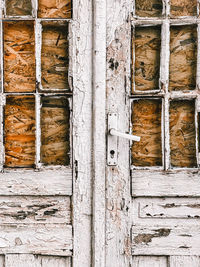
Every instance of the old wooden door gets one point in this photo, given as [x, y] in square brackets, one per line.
[45, 133]
[152, 208]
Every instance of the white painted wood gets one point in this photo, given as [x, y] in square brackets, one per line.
[82, 125]
[118, 219]
[2, 261]
[169, 208]
[146, 261]
[156, 183]
[50, 239]
[49, 261]
[98, 132]
[50, 182]
[24, 260]
[34, 210]
[166, 240]
[184, 261]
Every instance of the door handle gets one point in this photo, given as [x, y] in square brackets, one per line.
[124, 135]
[112, 140]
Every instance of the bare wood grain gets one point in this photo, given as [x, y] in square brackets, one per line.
[34, 210]
[55, 56]
[182, 133]
[184, 261]
[19, 56]
[19, 131]
[22, 260]
[183, 8]
[18, 7]
[55, 126]
[52, 261]
[146, 123]
[146, 8]
[166, 240]
[183, 58]
[147, 43]
[54, 9]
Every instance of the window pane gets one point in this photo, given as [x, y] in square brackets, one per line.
[146, 123]
[19, 56]
[19, 131]
[18, 7]
[182, 133]
[55, 59]
[148, 8]
[147, 58]
[55, 127]
[183, 8]
[183, 58]
[54, 9]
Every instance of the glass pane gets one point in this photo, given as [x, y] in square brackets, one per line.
[18, 7]
[147, 58]
[182, 133]
[19, 131]
[148, 8]
[19, 56]
[54, 8]
[55, 59]
[146, 123]
[183, 8]
[55, 127]
[183, 58]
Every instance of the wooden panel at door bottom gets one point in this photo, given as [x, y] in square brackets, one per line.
[29, 260]
[43, 239]
[166, 240]
[148, 261]
[161, 184]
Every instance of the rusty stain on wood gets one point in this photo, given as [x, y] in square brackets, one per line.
[182, 133]
[19, 131]
[146, 122]
[55, 9]
[148, 8]
[55, 126]
[19, 56]
[147, 58]
[18, 7]
[183, 8]
[147, 238]
[55, 56]
[183, 58]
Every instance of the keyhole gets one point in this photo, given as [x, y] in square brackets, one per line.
[112, 153]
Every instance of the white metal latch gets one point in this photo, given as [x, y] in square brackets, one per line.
[113, 134]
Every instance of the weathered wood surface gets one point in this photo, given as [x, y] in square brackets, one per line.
[55, 131]
[169, 208]
[146, 46]
[157, 183]
[146, 123]
[47, 239]
[2, 261]
[55, 9]
[55, 55]
[19, 131]
[146, 261]
[29, 260]
[18, 7]
[183, 8]
[166, 240]
[19, 56]
[183, 58]
[50, 261]
[182, 133]
[34, 210]
[148, 8]
[184, 261]
[43, 183]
